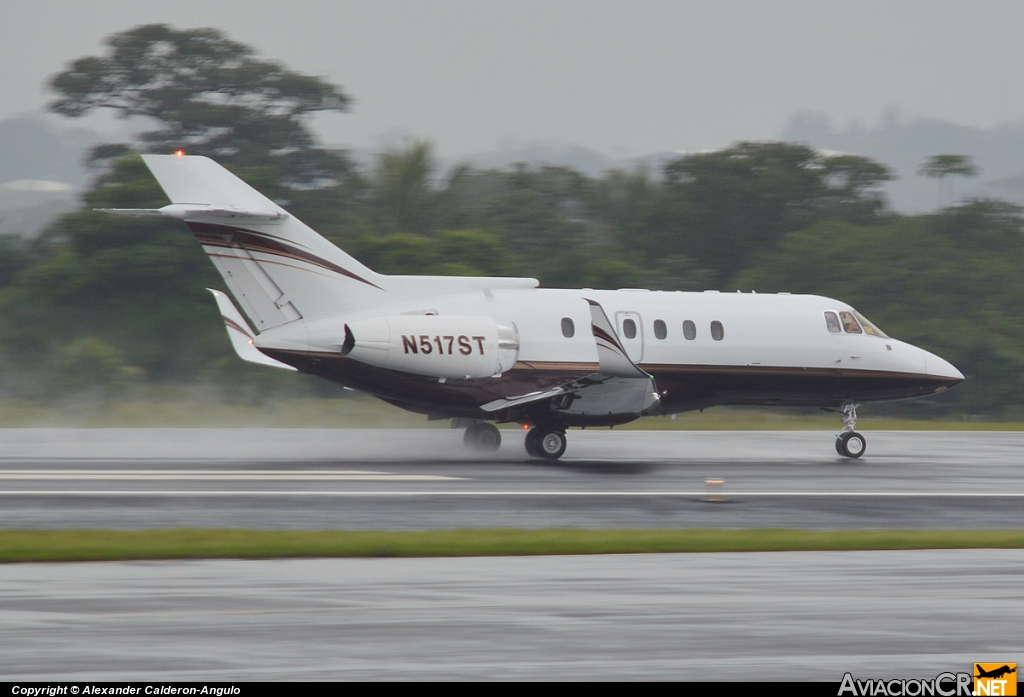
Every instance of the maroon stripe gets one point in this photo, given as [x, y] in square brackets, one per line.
[602, 334]
[233, 324]
[221, 236]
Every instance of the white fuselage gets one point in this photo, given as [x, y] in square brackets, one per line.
[770, 330]
[771, 349]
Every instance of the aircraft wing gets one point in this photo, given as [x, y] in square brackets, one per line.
[595, 394]
[619, 386]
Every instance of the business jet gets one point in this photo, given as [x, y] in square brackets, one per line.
[502, 350]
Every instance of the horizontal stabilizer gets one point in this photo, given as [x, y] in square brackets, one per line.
[198, 213]
[241, 336]
[133, 212]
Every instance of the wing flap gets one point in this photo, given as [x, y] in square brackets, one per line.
[499, 404]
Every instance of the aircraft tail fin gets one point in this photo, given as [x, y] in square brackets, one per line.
[278, 269]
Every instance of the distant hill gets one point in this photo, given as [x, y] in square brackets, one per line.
[903, 145]
[36, 148]
[28, 221]
[41, 171]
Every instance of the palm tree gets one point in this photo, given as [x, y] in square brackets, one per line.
[942, 166]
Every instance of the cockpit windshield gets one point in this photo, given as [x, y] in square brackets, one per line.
[870, 328]
[850, 325]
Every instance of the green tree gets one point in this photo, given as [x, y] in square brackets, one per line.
[471, 253]
[852, 190]
[90, 363]
[137, 286]
[403, 197]
[210, 95]
[445, 253]
[722, 207]
[15, 254]
[544, 214]
[644, 222]
[952, 166]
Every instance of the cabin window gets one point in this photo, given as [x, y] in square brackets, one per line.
[832, 321]
[850, 325]
[869, 327]
[717, 331]
[629, 328]
[568, 328]
[689, 330]
[660, 330]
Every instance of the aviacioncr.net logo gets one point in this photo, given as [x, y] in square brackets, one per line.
[942, 685]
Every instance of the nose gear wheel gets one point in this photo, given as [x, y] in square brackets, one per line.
[849, 443]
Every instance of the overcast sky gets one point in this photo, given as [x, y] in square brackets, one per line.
[624, 78]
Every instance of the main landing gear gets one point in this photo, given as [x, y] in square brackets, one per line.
[482, 437]
[849, 443]
[547, 442]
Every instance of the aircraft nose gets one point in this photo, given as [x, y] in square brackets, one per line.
[941, 368]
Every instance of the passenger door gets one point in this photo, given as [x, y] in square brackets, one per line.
[631, 334]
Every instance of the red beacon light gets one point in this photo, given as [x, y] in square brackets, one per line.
[179, 153]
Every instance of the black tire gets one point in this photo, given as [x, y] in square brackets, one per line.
[482, 437]
[853, 444]
[531, 442]
[551, 443]
[839, 445]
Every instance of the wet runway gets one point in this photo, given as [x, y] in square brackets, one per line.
[787, 616]
[424, 479]
[760, 616]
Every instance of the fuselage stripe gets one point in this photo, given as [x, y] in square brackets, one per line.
[213, 235]
[654, 369]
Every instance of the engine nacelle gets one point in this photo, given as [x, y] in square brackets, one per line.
[440, 346]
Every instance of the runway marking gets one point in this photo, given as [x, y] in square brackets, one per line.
[469, 493]
[218, 475]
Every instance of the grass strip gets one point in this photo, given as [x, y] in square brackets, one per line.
[111, 545]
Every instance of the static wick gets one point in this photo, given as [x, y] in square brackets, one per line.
[715, 490]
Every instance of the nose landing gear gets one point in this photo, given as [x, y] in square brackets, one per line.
[849, 443]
